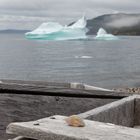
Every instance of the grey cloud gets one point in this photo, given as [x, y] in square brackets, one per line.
[67, 5]
[63, 11]
[127, 22]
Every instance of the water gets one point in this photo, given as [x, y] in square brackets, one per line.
[106, 64]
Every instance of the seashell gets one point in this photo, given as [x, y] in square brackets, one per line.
[75, 121]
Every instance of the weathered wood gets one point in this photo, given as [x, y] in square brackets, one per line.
[121, 112]
[57, 129]
[19, 107]
[30, 100]
[54, 89]
[21, 138]
[137, 111]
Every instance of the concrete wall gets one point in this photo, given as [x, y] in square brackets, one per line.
[119, 112]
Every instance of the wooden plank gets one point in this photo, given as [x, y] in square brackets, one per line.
[21, 138]
[54, 89]
[35, 83]
[57, 129]
[20, 107]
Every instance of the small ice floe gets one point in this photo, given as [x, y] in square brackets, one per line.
[84, 57]
[103, 35]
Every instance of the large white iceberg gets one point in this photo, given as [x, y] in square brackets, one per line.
[55, 31]
[103, 35]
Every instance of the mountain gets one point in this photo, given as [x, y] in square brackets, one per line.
[118, 24]
[13, 31]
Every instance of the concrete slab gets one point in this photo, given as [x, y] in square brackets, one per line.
[56, 129]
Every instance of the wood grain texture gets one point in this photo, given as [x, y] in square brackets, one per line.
[19, 108]
[54, 89]
[31, 100]
[57, 129]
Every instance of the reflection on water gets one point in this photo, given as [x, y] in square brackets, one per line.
[101, 63]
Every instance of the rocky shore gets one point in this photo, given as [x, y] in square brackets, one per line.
[128, 89]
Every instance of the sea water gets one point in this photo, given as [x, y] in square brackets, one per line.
[100, 63]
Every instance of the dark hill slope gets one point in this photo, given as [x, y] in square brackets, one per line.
[119, 24]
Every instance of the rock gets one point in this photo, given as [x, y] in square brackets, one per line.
[75, 121]
[128, 89]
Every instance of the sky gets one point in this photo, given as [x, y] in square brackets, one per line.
[29, 14]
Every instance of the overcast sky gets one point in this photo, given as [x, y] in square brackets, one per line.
[28, 14]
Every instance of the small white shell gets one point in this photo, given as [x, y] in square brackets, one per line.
[75, 121]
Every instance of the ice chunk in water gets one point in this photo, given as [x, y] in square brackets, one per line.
[47, 28]
[103, 35]
[101, 31]
[81, 23]
[55, 31]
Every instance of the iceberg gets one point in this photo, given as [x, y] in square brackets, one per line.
[46, 28]
[81, 23]
[55, 31]
[103, 35]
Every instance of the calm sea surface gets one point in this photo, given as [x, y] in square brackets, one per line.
[100, 63]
